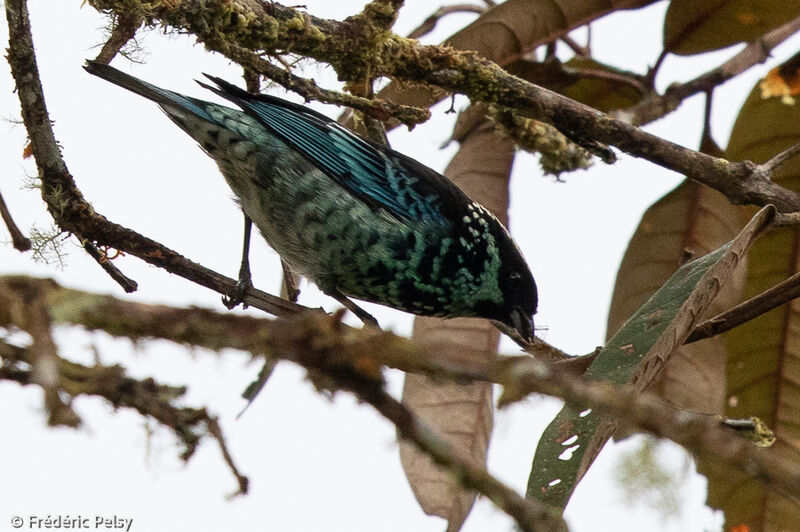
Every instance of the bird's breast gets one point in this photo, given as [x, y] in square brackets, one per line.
[431, 268]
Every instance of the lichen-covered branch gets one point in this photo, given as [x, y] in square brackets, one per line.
[337, 356]
[122, 31]
[359, 49]
[64, 200]
[30, 305]
[375, 108]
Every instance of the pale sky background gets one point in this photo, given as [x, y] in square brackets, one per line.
[313, 464]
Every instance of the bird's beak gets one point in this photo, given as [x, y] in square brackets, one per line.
[522, 324]
[519, 327]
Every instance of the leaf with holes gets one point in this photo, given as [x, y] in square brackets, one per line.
[636, 353]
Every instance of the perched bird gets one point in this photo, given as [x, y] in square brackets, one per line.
[357, 218]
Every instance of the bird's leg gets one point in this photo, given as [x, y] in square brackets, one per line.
[289, 290]
[245, 281]
[365, 317]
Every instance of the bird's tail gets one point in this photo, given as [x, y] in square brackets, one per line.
[166, 99]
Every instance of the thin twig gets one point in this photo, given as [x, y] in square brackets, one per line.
[19, 240]
[429, 23]
[656, 106]
[767, 300]
[214, 430]
[124, 30]
[530, 515]
[379, 109]
[636, 82]
[652, 72]
[127, 284]
[709, 105]
[770, 167]
[582, 51]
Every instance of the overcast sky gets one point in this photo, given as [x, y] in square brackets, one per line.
[313, 464]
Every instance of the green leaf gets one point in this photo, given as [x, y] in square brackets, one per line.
[636, 353]
[689, 221]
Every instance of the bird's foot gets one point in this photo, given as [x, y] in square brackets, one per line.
[245, 281]
[236, 296]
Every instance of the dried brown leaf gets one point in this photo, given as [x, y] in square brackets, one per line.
[461, 413]
[763, 369]
[693, 27]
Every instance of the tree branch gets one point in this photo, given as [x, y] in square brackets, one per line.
[770, 167]
[429, 23]
[19, 240]
[358, 51]
[655, 106]
[767, 300]
[333, 353]
[124, 29]
[64, 200]
[102, 258]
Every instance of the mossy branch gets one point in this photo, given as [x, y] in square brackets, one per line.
[35, 305]
[358, 48]
[338, 357]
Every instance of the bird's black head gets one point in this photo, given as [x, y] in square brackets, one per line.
[513, 314]
[520, 298]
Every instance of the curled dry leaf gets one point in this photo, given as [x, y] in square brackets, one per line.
[764, 354]
[461, 413]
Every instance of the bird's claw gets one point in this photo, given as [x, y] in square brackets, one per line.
[236, 297]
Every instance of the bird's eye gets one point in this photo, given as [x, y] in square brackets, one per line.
[515, 276]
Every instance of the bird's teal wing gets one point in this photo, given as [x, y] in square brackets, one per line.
[379, 176]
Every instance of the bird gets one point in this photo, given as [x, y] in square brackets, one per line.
[357, 218]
